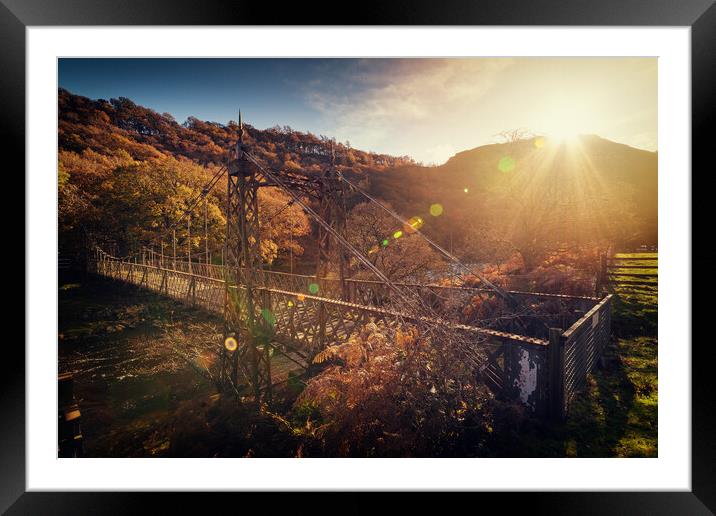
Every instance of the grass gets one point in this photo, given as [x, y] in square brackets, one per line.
[636, 310]
[129, 384]
[165, 412]
[617, 414]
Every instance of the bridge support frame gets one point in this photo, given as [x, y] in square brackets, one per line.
[243, 303]
[332, 208]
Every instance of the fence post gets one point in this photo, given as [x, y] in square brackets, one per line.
[508, 379]
[556, 375]
[601, 274]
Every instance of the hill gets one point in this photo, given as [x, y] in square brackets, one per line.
[587, 189]
[111, 126]
[527, 195]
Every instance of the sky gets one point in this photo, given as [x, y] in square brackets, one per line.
[426, 108]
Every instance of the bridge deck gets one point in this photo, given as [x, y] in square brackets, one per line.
[303, 324]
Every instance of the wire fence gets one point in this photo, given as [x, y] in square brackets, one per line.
[544, 374]
[574, 354]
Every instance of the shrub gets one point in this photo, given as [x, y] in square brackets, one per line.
[394, 395]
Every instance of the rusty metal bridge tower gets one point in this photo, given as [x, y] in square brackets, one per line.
[247, 347]
[332, 209]
[246, 333]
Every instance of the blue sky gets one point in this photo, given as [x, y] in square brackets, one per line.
[426, 108]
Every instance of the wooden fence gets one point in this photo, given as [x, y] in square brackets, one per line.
[628, 273]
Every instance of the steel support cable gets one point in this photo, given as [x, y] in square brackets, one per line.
[422, 304]
[328, 228]
[192, 204]
[432, 329]
[204, 192]
[279, 212]
[505, 295]
[323, 223]
[440, 249]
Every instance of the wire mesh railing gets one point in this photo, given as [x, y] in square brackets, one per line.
[542, 372]
[574, 354]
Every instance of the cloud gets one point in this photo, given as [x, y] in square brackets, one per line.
[371, 100]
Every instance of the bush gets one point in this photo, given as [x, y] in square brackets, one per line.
[394, 395]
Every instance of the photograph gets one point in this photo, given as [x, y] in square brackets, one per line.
[367, 257]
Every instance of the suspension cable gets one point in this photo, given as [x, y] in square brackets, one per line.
[438, 247]
[330, 229]
[190, 208]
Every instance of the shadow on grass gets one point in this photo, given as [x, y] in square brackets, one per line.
[616, 416]
[634, 314]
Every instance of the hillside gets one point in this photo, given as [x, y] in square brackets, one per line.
[110, 126]
[606, 190]
[524, 194]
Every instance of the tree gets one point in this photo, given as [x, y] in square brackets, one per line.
[514, 135]
[550, 199]
[396, 393]
[397, 251]
[135, 202]
[282, 223]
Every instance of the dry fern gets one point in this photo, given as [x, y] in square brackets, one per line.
[390, 389]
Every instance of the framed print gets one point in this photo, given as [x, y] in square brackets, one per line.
[443, 248]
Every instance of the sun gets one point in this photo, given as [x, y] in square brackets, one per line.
[563, 134]
[564, 121]
[565, 138]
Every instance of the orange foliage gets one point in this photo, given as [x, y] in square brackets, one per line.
[393, 395]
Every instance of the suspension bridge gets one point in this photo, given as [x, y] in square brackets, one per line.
[537, 351]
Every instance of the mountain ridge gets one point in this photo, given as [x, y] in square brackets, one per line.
[476, 184]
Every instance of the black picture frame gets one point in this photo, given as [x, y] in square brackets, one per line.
[700, 15]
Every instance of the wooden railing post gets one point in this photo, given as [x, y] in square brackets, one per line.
[192, 286]
[602, 277]
[556, 374]
[508, 379]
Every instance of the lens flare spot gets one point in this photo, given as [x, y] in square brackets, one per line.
[466, 190]
[290, 303]
[385, 242]
[506, 164]
[414, 224]
[436, 209]
[230, 344]
[300, 297]
[397, 234]
[539, 142]
[313, 288]
[373, 249]
[269, 317]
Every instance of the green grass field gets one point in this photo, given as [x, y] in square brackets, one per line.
[635, 308]
[617, 416]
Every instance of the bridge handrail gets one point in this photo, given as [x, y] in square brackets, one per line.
[460, 288]
[392, 313]
[365, 308]
[437, 286]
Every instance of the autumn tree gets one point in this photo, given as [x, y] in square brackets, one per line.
[397, 251]
[149, 198]
[282, 223]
